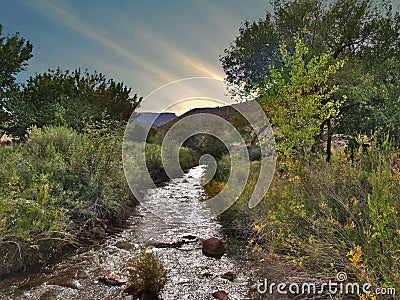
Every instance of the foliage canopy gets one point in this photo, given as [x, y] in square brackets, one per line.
[365, 33]
[14, 54]
[64, 98]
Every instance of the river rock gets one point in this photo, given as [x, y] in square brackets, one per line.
[221, 295]
[189, 237]
[82, 274]
[112, 279]
[213, 247]
[176, 244]
[124, 245]
[114, 230]
[69, 283]
[97, 233]
[228, 275]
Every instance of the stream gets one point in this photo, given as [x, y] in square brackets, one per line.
[191, 274]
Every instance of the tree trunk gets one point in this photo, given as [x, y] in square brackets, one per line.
[328, 141]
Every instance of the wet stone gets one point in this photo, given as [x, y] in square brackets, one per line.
[189, 237]
[124, 245]
[112, 279]
[228, 275]
[82, 274]
[97, 233]
[221, 295]
[68, 283]
[213, 247]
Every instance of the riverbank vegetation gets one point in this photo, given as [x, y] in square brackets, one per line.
[57, 187]
[330, 90]
[326, 218]
[61, 177]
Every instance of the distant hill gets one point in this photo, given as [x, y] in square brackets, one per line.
[147, 118]
[226, 112]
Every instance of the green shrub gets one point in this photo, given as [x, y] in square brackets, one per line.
[330, 217]
[147, 273]
[188, 158]
[223, 169]
[57, 173]
[206, 144]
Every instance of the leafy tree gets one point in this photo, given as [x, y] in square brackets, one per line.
[375, 105]
[297, 97]
[69, 99]
[206, 144]
[14, 53]
[365, 32]
[355, 28]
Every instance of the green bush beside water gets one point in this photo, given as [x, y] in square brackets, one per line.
[328, 217]
[46, 181]
[133, 152]
[60, 183]
[147, 274]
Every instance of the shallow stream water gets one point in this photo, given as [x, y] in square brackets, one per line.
[191, 274]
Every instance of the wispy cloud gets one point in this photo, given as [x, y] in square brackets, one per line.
[189, 63]
[65, 16]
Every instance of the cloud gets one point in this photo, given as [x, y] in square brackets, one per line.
[181, 60]
[66, 17]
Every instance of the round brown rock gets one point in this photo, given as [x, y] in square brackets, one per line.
[213, 247]
[221, 295]
[97, 233]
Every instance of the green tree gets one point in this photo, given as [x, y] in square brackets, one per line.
[69, 99]
[365, 32]
[297, 98]
[375, 105]
[356, 28]
[14, 54]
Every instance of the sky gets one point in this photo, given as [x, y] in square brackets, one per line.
[145, 44]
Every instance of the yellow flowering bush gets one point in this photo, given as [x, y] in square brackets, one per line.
[331, 217]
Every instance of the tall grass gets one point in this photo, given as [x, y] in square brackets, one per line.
[329, 217]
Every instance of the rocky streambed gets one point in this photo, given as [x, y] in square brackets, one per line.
[173, 225]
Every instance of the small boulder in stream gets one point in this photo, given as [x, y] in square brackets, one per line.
[221, 295]
[65, 282]
[228, 275]
[112, 279]
[97, 233]
[176, 244]
[124, 245]
[189, 237]
[213, 247]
